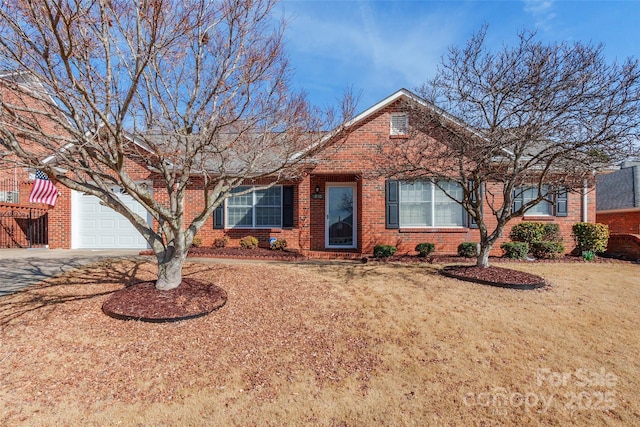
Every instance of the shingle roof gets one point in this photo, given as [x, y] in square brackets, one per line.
[619, 189]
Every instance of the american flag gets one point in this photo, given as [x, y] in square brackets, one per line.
[43, 190]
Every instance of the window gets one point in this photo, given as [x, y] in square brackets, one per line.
[257, 209]
[423, 204]
[524, 195]
[399, 124]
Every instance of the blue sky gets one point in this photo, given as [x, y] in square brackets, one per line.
[378, 47]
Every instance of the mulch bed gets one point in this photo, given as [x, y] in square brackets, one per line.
[240, 253]
[494, 276]
[143, 301]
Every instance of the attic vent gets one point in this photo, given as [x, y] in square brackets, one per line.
[399, 124]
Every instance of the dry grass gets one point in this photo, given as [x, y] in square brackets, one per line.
[329, 344]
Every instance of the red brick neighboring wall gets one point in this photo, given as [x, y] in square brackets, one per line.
[621, 222]
[626, 245]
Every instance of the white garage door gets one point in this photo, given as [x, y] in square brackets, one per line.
[95, 226]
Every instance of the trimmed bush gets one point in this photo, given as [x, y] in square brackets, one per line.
[196, 242]
[551, 232]
[248, 242]
[515, 250]
[547, 250]
[425, 249]
[530, 232]
[279, 245]
[384, 251]
[527, 232]
[591, 237]
[220, 242]
[468, 249]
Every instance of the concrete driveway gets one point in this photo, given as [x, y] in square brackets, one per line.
[20, 268]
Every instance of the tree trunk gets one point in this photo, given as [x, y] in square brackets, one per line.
[483, 255]
[170, 269]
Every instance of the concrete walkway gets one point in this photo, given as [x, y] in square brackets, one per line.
[20, 268]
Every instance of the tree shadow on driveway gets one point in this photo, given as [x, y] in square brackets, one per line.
[73, 284]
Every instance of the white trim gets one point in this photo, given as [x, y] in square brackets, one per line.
[354, 214]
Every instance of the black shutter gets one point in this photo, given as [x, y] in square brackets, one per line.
[287, 206]
[392, 204]
[470, 221]
[518, 198]
[218, 217]
[562, 202]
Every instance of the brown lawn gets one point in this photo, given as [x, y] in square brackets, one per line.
[327, 344]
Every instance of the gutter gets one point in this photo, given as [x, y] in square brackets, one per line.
[585, 202]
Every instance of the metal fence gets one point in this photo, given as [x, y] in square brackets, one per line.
[22, 227]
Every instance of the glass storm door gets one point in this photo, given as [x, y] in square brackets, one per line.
[341, 216]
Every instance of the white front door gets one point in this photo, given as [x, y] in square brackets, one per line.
[341, 221]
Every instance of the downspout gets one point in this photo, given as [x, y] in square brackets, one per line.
[585, 202]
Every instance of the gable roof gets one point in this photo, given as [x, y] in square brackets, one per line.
[407, 95]
[619, 189]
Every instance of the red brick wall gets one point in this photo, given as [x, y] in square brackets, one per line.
[621, 222]
[354, 160]
[625, 245]
[351, 161]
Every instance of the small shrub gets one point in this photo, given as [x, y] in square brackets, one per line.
[220, 242]
[278, 245]
[527, 231]
[384, 251]
[425, 249]
[196, 242]
[591, 237]
[547, 250]
[468, 249]
[551, 232]
[588, 255]
[515, 250]
[248, 242]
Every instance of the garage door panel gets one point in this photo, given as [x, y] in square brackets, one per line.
[96, 226]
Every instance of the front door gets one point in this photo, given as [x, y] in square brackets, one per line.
[341, 216]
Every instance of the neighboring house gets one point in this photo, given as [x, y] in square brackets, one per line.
[618, 206]
[340, 208]
[618, 202]
[22, 223]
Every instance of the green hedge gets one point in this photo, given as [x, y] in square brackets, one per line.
[425, 249]
[547, 250]
[384, 251]
[591, 237]
[468, 249]
[515, 250]
[530, 232]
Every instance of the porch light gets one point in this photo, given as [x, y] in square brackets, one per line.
[317, 194]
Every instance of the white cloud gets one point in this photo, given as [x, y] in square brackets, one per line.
[543, 12]
[371, 49]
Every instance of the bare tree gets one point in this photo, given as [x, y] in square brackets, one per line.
[538, 116]
[189, 89]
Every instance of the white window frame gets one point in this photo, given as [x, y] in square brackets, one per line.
[433, 208]
[254, 210]
[399, 124]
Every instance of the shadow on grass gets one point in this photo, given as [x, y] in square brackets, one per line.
[75, 285]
